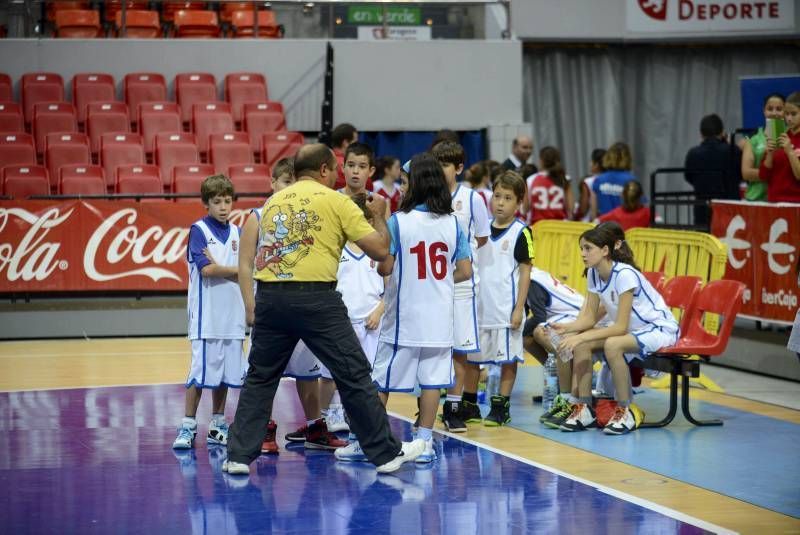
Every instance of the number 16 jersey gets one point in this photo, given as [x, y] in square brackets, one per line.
[419, 294]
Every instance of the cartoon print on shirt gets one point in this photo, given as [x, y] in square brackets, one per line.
[284, 239]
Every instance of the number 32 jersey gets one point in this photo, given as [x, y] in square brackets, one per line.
[419, 294]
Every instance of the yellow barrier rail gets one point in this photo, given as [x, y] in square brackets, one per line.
[556, 250]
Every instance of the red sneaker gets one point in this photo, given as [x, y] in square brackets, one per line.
[297, 436]
[319, 438]
[270, 445]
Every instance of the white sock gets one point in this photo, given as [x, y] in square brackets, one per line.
[452, 397]
[336, 399]
[188, 422]
[218, 419]
[425, 433]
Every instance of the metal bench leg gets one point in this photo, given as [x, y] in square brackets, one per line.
[673, 400]
[685, 406]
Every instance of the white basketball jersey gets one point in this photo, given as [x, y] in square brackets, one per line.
[359, 283]
[563, 299]
[419, 296]
[467, 218]
[648, 309]
[500, 281]
[215, 305]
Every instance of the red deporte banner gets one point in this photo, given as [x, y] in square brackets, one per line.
[763, 242]
[82, 245]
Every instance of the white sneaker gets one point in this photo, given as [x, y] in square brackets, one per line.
[409, 452]
[429, 455]
[335, 419]
[621, 423]
[217, 433]
[186, 433]
[581, 418]
[351, 453]
[236, 469]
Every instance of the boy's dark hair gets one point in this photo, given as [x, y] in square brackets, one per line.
[597, 157]
[282, 167]
[445, 134]
[632, 196]
[383, 164]
[360, 149]
[343, 132]
[711, 126]
[309, 159]
[449, 152]
[512, 180]
[476, 173]
[427, 185]
[361, 201]
[215, 185]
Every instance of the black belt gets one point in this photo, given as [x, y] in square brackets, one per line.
[295, 286]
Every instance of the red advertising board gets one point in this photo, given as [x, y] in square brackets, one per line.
[82, 245]
[763, 242]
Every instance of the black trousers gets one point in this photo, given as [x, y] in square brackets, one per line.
[286, 313]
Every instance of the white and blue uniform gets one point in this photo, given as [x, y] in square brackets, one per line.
[651, 321]
[416, 338]
[500, 344]
[564, 303]
[215, 308]
[470, 210]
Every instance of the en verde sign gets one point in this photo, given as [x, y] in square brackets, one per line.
[373, 15]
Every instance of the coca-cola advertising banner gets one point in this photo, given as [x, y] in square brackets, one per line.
[80, 245]
[763, 241]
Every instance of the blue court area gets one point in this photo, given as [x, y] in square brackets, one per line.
[99, 461]
[751, 457]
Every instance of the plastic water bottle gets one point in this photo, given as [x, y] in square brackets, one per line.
[550, 382]
[555, 339]
[493, 381]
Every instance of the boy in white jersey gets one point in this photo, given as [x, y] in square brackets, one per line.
[506, 263]
[472, 215]
[428, 254]
[641, 324]
[216, 313]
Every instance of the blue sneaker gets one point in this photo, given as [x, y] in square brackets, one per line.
[186, 433]
[429, 455]
[351, 453]
[217, 433]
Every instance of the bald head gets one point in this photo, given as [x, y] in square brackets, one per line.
[522, 148]
[315, 161]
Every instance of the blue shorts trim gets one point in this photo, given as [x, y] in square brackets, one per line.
[387, 390]
[498, 362]
[195, 384]
[435, 387]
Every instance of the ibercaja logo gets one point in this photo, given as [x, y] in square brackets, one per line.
[655, 9]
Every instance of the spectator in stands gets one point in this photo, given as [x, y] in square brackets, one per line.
[780, 168]
[584, 211]
[549, 190]
[521, 150]
[631, 213]
[607, 187]
[713, 168]
[754, 148]
[388, 183]
[341, 137]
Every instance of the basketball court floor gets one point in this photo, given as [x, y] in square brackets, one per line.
[88, 427]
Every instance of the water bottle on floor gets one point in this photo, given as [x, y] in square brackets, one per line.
[550, 382]
[493, 381]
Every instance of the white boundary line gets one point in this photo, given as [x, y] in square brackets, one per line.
[84, 387]
[666, 511]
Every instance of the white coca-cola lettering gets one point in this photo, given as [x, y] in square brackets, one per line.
[736, 244]
[169, 247]
[774, 247]
[34, 258]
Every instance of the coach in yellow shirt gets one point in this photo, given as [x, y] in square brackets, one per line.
[296, 253]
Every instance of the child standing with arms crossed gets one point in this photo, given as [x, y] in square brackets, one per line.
[506, 263]
[216, 313]
[641, 323]
[429, 252]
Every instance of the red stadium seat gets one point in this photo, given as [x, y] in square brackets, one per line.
[120, 149]
[105, 118]
[211, 118]
[229, 149]
[194, 24]
[91, 87]
[77, 24]
[277, 145]
[655, 279]
[156, 118]
[60, 5]
[6, 88]
[23, 181]
[250, 178]
[226, 9]
[188, 178]
[261, 118]
[194, 88]
[243, 87]
[40, 87]
[112, 8]
[175, 149]
[680, 293]
[17, 148]
[243, 24]
[169, 8]
[81, 180]
[139, 24]
[11, 119]
[52, 118]
[143, 87]
[64, 149]
[139, 179]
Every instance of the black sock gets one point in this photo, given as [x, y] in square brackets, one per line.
[472, 397]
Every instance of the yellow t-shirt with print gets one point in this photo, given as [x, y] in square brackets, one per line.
[303, 229]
